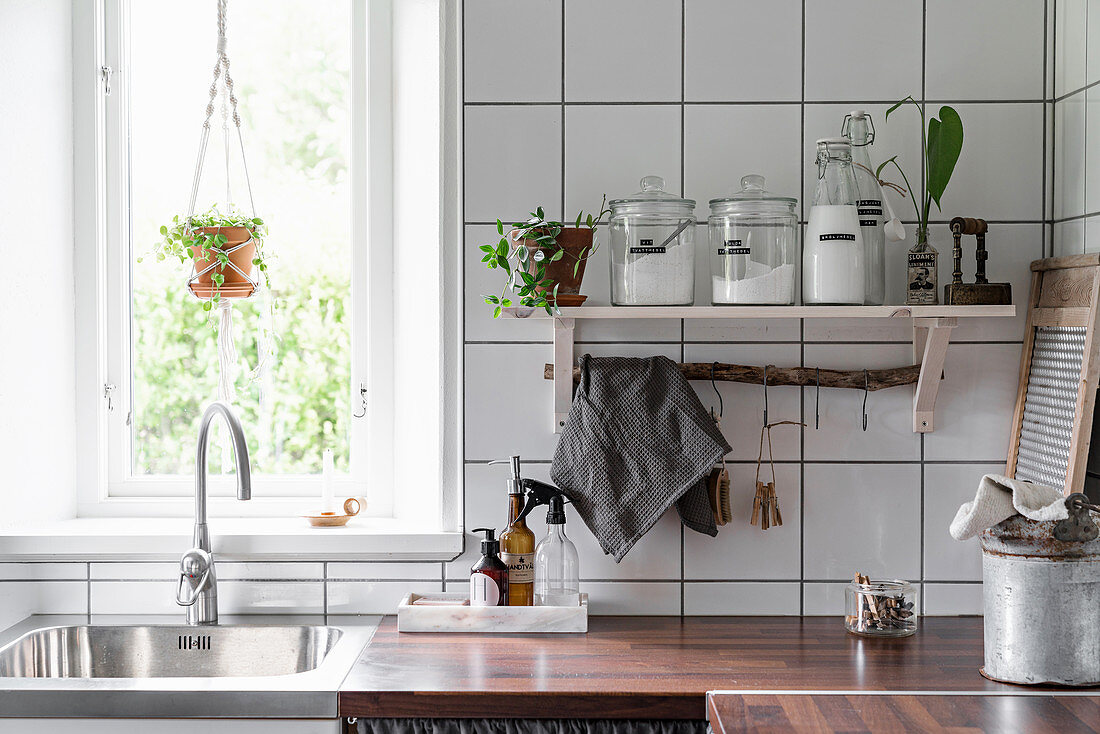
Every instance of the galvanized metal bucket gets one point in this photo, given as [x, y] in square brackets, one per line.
[1042, 601]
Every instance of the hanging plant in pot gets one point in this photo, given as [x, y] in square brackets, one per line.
[224, 249]
[543, 261]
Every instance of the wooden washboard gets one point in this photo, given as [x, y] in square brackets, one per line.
[1053, 421]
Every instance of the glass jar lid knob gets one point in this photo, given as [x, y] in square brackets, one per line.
[652, 183]
[752, 182]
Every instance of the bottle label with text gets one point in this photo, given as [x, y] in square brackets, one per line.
[521, 567]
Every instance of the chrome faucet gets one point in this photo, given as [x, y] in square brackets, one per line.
[198, 585]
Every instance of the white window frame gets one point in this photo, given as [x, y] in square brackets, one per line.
[406, 474]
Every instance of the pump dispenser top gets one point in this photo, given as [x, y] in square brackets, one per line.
[490, 546]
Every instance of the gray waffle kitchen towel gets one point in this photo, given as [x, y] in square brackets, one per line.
[636, 442]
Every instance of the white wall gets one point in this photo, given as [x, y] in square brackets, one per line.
[37, 368]
[37, 440]
[568, 99]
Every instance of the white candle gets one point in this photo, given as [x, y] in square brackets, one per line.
[327, 467]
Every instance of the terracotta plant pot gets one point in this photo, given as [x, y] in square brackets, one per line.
[577, 243]
[234, 285]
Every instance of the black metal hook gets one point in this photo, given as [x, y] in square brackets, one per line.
[865, 390]
[721, 408]
[817, 399]
[765, 395]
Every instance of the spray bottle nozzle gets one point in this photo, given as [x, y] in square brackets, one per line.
[538, 493]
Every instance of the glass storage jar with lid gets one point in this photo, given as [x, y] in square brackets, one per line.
[753, 240]
[652, 247]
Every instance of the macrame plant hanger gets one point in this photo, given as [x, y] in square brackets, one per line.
[228, 359]
[229, 364]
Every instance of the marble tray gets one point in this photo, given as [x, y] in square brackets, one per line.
[460, 618]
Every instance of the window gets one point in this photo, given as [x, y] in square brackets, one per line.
[350, 315]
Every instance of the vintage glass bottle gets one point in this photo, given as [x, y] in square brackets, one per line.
[860, 130]
[833, 256]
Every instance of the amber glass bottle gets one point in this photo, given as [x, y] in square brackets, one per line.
[517, 550]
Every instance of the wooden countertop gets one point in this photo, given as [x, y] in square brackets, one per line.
[835, 712]
[651, 667]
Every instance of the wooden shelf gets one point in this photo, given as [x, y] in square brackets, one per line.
[932, 326]
[764, 312]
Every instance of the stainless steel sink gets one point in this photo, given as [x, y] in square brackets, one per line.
[151, 666]
[95, 651]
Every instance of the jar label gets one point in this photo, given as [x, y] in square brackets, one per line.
[869, 208]
[646, 247]
[521, 567]
[733, 247]
[844, 236]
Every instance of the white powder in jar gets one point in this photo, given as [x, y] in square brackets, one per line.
[773, 287]
[656, 279]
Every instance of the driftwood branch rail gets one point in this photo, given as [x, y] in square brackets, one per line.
[798, 376]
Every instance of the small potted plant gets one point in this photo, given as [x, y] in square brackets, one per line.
[224, 248]
[543, 261]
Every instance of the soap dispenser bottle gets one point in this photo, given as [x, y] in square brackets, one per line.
[517, 543]
[557, 567]
[489, 576]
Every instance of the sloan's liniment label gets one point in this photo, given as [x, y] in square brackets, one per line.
[921, 286]
[521, 567]
[645, 247]
[733, 247]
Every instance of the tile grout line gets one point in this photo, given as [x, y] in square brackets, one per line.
[564, 217]
[802, 333]
[924, 106]
[683, 135]
[465, 279]
[1085, 136]
[1046, 32]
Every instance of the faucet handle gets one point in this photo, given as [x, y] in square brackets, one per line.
[195, 566]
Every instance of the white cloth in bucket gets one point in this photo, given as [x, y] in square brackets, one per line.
[999, 498]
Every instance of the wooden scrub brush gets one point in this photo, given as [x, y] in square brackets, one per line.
[718, 486]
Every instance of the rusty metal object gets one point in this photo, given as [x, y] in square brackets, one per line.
[1079, 525]
[981, 291]
[1042, 603]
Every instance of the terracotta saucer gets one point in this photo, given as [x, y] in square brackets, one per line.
[571, 299]
[230, 290]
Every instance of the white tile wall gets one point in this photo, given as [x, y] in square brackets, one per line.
[703, 92]
[1075, 159]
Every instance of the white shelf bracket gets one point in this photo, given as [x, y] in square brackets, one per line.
[931, 337]
[563, 370]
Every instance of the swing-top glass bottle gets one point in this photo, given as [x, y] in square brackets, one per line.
[860, 131]
[833, 255]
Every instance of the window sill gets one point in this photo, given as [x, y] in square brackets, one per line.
[240, 539]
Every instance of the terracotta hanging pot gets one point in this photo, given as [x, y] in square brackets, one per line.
[577, 243]
[234, 284]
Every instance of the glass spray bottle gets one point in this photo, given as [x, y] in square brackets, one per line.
[860, 130]
[557, 567]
